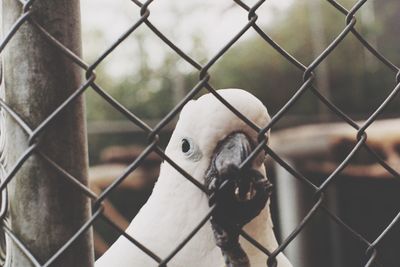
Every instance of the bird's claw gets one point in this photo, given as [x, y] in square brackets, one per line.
[251, 192]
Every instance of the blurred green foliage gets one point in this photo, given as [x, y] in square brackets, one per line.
[358, 82]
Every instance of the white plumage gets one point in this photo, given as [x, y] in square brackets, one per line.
[176, 205]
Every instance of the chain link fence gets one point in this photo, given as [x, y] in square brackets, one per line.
[27, 16]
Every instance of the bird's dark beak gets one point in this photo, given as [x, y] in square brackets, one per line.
[226, 165]
[239, 193]
[230, 154]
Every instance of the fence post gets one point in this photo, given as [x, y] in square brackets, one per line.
[44, 209]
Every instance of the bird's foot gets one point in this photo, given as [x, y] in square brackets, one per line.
[236, 257]
[227, 239]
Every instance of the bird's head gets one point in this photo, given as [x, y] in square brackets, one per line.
[210, 142]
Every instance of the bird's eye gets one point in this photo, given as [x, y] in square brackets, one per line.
[185, 145]
[190, 149]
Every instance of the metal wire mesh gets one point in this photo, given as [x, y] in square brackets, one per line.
[203, 83]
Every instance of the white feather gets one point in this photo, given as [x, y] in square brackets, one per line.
[176, 206]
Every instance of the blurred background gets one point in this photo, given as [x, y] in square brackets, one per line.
[149, 79]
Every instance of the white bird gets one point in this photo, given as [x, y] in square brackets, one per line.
[176, 206]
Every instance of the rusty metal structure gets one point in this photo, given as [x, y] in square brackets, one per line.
[364, 194]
